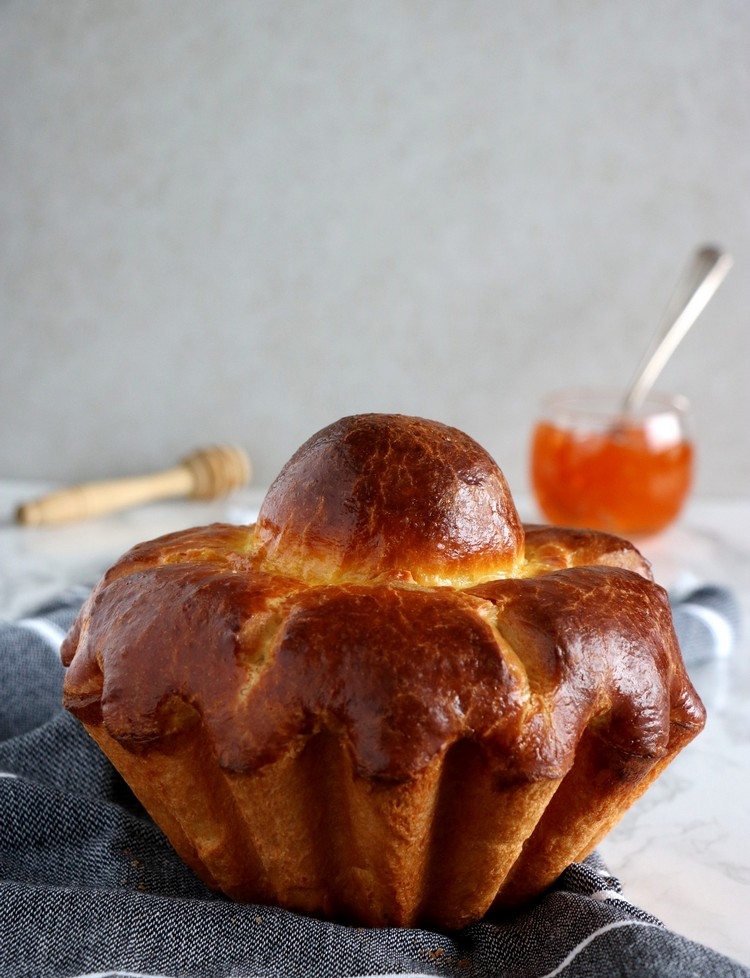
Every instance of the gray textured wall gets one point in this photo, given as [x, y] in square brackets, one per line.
[238, 221]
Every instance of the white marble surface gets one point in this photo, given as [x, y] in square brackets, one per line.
[682, 853]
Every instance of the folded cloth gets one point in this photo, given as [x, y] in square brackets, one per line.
[707, 622]
[90, 886]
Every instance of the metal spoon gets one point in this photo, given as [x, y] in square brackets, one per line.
[702, 277]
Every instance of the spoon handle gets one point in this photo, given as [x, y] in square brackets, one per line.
[701, 279]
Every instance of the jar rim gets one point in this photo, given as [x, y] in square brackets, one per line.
[607, 403]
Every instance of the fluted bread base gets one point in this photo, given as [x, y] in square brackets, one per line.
[306, 833]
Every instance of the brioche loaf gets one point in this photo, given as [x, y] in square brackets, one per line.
[387, 702]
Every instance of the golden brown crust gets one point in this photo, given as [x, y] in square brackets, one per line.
[550, 548]
[556, 685]
[385, 494]
[519, 665]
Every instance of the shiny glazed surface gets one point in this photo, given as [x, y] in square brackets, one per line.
[190, 627]
[380, 495]
[313, 619]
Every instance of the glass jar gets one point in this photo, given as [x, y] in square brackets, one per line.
[592, 465]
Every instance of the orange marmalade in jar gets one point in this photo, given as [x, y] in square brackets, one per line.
[594, 466]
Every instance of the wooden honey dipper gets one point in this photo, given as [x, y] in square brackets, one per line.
[204, 474]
